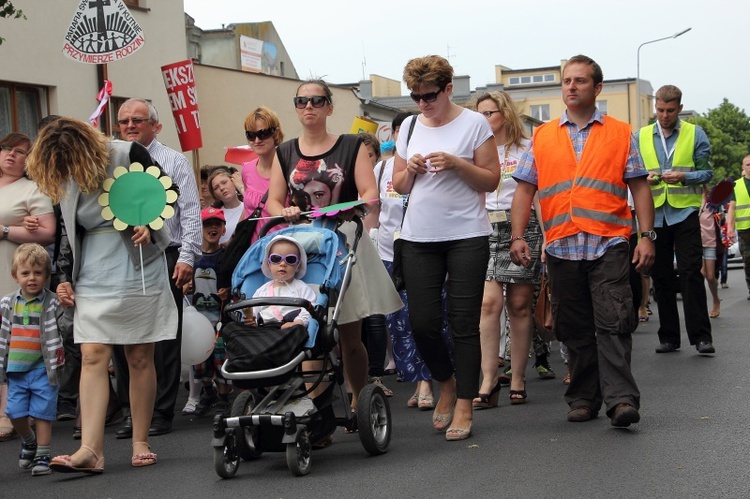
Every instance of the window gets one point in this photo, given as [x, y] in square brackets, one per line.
[21, 108]
[602, 105]
[525, 80]
[540, 112]
[132, 3]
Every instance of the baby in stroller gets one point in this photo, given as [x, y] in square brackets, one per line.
[285, 263]
[284, 324]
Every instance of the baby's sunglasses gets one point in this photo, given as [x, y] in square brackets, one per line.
[276, 259]
[261, 134]
[316, 101]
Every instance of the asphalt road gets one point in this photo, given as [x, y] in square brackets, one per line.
[692, 442]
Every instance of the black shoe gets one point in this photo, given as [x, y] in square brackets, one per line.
[208, 399]
[667, 347]
[705, 347]
[77, 433]
[66, 412]
[624, 415]
[159, 426]
[222, 407]
[126, 429]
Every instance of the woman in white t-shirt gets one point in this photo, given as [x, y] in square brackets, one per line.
[450, 161]
[228, 198]
[519, 282]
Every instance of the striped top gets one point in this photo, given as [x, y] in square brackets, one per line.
[185, 226]
[25, 353]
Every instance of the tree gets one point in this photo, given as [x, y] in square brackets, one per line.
[728, 130]
[7, 10]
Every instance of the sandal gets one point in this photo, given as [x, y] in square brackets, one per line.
[323, 443]
[518, 396]
[566, 379]
[64, 464]
[143, 458]
[487, 400]
[413, 400]
[426, 402]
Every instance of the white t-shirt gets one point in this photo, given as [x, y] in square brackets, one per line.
[391, 209]
[442, 207]
[233, 218]
[502, 197]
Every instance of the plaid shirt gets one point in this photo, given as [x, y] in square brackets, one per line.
[581, 246]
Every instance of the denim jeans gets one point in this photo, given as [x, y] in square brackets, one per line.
[463, 263]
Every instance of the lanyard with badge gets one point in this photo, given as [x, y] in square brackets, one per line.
[499, 216]
[670, 152]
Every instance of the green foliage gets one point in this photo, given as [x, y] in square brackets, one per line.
[728, 130]
[7, 10]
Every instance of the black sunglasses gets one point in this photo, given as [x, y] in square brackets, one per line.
[316, 100]
[428, 97]
[261, 134]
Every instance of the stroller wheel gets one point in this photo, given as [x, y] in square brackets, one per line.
[247, 438]
[298, 457]
[226, 458]
[374, 420]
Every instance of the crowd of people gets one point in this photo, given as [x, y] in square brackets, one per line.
[466, 208]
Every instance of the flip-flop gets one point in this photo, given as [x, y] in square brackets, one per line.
[643, 318]
[64, 464]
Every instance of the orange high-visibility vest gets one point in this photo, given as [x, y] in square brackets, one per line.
[587, 196]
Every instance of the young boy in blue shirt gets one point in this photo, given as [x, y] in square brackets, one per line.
[31, 351]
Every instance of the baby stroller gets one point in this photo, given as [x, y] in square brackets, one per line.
[275, 413]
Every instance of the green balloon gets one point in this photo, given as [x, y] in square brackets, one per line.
[137, 198]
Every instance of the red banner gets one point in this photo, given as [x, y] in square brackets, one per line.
[183, 99]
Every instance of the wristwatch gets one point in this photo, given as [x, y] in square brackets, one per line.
[651, 234]
[6, 231]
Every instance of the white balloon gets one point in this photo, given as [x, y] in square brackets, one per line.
[197, 336]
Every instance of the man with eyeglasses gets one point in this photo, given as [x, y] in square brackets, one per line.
[139, 122]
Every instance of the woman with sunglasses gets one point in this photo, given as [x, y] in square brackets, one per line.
[445, 164]
[19, 198]
[341, 171]
[519, 282]
[263, 133]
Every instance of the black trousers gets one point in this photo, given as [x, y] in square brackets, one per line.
[426, 266]
[592, 307]
[69, 376]
[167, 358]
[682, 240]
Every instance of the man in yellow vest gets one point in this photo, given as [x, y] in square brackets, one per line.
[738, 216]
[676, 156]
[582, 165]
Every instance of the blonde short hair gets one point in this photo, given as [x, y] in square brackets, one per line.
[34, 254]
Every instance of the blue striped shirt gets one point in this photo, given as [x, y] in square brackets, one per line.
[581, 246]
[185, 226]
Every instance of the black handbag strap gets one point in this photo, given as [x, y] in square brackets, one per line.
[408, 138]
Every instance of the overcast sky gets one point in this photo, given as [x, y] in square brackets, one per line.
[342, 40]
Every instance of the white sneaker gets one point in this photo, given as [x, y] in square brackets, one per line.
[190, 407]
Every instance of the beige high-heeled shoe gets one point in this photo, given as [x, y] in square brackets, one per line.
[453, 434]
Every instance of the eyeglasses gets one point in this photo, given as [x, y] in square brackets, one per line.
[16, 150]
[136, 121]
[428, 97]
[276, 259]
[487, 114]
[316, 101]
[261, 134]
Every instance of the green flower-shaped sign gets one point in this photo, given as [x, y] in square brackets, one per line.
[138, 196]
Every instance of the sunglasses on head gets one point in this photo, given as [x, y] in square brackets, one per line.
[276, 259]
[316, 101]
[427, 97]
[261, 134]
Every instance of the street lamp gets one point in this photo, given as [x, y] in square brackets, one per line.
[638, 68]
